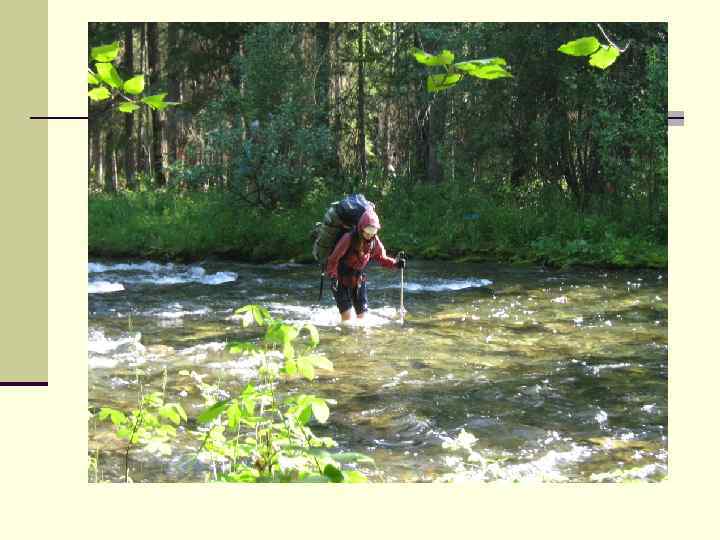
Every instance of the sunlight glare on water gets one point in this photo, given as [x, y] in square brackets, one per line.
[498, 373]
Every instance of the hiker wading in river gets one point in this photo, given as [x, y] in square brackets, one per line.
[347, 263]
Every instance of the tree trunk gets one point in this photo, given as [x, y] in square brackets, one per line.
[142, 123]
[362, 158]
[422, 124]
[173, 92]
[435, 139]
[110, 180]
[129, 163]
[322, 86]
[337, 95]
[157, 120]
[97, 155]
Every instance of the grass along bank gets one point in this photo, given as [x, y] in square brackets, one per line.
[426, 222]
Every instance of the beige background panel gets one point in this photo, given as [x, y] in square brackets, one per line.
[23, 196]
[45, 460]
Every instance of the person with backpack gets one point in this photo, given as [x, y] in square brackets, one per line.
[347, 262]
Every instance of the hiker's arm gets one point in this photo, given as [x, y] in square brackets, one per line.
[340, 249]
[380, 256]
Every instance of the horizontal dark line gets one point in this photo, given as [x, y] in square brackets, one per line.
[23, 383]
[58, 118]
[676, 118]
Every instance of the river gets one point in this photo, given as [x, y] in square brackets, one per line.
[499, 373]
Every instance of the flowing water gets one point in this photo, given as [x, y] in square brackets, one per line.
[498, 373]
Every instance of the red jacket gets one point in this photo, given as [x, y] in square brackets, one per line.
[353, 260]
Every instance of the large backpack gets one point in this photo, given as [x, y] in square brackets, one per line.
[340, 218]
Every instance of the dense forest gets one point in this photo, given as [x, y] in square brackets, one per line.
[561, 164]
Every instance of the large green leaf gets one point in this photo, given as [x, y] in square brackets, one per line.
[317, 361]
[580, 47]
[333, 473]
[248, 406]
[128, 107]
[179, 410]
[435, 83]
[291, 367]
[305, 367]
[234, 414]
[288, 351]
[605, 57]
[109, 75]
[154, 399]
[320, 410]
[281, 333]
[92, 79]
[443, 59]
[305, 415]
[212, 412]
[135, 85]
[105, 53]
[169, 412]
[156, 101]
[99, 94]
[490, 72]
[314, 334]
[116, 417]
[471, 65]
[261, 314]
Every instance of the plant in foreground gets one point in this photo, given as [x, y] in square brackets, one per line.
[151, 426]
[260, 435]
[263, 436]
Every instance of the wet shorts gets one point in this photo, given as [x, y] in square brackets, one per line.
[346, 297]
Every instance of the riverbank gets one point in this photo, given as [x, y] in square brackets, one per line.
[457, 226]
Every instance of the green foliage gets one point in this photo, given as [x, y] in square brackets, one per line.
[157, 102]
[151, 427]
[451, 221]
[190, 225]
[554, 147]
[443, 59]
[264, 144]
[601, 56]
[128, 107]
[110, 85]
[107, 73]
[265, 436]
[135, 86]
[435, 83]
[489, 68]
[99, 94]
[105, 53]
[605, 57]
[260, 435]
[580, 47]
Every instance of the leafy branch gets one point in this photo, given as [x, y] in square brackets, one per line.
[486, 68]
[107, 84]
[601, 56]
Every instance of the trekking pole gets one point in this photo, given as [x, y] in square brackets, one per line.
[402, 289]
